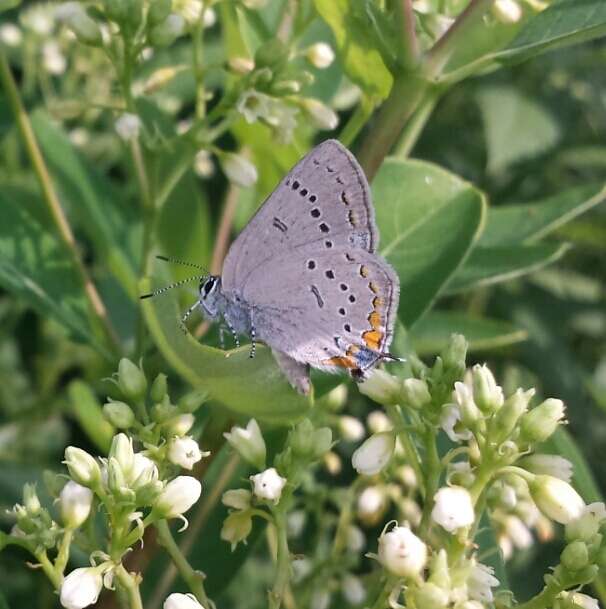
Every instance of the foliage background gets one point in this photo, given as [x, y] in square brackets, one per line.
[528, 292]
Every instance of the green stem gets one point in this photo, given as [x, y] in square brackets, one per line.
[63, 554]
[198, 65]
[433, 467]
[55, 577]
[386, 590]
[345, 518]
[544, 599]
[416, 124]
[282, 578]
[355, 123]
[408, 50]
[194, 579]
[52, 200]
[131, 586]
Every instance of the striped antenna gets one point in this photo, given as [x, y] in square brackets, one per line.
[171, 286]
[181, 262]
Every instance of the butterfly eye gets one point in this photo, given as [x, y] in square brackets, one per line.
[208, 285]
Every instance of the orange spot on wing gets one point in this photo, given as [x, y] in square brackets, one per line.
[340, 362]
[372, 338]
[377, 302]
[363, 271]
[373, 287]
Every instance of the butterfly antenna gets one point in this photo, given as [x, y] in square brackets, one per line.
[181, 262]
[392, 358]
[171, 286]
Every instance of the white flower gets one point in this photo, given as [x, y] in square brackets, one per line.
[238, 170]
[209, 18]
[587, 525]
[518, 532]
[241, 65]
[178, 496]
[351, 428]
[378, 421]
[203, 164]
[371, 504]
[122, 450]
[176, 600]
[10, 35]
[538, 424]
[353, 589]
[75, 502]
[249, 443]
[487, 394]
[190, 10]
[356, 539]
[185, 452]
[507, 11]
[556, 498]
[75, 17]
[181, 424]
[320, 55]
[453, 508]
[168, 31]
[320, 599]
[38, 18]
[381, 387]
[295, 523]
[480, 581]
[254, 105]
[81, 588]
[268, 485]
[82, 467]
[463, 397]
[401, 552]
[449, 419]
[320, 114]
[239, 498]
[578, 599]
[550, 465]
[128, 126]
[416, 393]
[143, 471]
[374, 454]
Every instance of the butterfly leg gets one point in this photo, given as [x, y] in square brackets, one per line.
[186, 316]
[253, 342]
[233, 332]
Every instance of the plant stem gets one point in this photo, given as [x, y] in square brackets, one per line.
[282, 562]
[408, 50]
[345, 518]
[381, 602]
[198, 65]
[131, 586]
[355, 123]
[415, 125]
[55, 577]
[194, 579]
[433, 467]
[544, 599]
[52, 200]
[63, 554]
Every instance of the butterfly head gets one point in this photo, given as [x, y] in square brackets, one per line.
[210, 295]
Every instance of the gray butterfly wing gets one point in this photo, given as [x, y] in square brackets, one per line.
[330, 309]
[324, 200]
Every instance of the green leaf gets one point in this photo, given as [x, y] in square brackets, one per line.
[562, 443]
[487, 265]
[432, 333]
[359, 55]
[428, 220]
[90, 198]
[35, 267]
[562, 23]
[6, 5]
[515, 126]
[254, 387]
[510, 224]
[87, 409]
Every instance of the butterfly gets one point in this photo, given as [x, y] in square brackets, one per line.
[304, 276]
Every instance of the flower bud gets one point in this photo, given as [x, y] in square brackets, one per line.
[378, 421]
[381, 387]
[353, 590]
[540, 423]
[241, 65]
[470, 413]
[116, 480]
[119, 414]
[238, 169]
[576, 600]
[588, 524]
[249, 443]
[81, 588]
[158, 11]
[82, 25]
[453, 508]
[401, 552]
[355, 540]
[10, 35]
[416, 393]
[374, 454]
[549, 465]
[181, 424]
[121, 449]
[575, 556]
[74, 503]
[178, 496]
[454, 355]
[131, 379]
[507, 417]
[507, 11]
[487, 394]
[185, 452]
[236, 527]
[322, 117]
[556, 498]
[239, 498]
[82, 467]
[158, 388]
[268, 485]
[372, 504]
[166, 32]
[320, 55]
[352, 429]
[480, 582]
[320, 599]
[430, 596]
[30, 500]
[176, 600]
